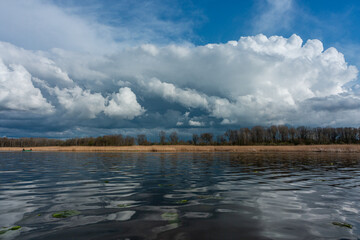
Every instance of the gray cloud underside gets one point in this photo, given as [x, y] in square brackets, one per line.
[255, 80]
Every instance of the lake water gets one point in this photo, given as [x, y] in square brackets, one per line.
[180, 195]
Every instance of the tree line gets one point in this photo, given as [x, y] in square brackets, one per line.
[257, 135]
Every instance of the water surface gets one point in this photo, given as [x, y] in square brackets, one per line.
[180, 195]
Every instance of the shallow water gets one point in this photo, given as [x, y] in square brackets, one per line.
[180, 196]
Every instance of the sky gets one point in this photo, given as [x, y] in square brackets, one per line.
[88, 68]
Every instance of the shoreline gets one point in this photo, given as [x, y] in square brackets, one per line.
[339, 148]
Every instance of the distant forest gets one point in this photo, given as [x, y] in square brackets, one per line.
[258, 135]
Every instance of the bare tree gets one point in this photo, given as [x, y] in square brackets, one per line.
[221, 139]
[273, 131]
[174, 138]
[162, 136]
[206, 138]
[129, 141]
[284, 133]
[142, 140]
[257, 134]
[195, 139]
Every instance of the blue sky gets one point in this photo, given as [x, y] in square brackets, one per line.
[333, 22]
[87, 68]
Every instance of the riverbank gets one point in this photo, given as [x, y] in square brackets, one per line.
[191, 148]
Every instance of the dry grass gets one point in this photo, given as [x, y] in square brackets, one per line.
[190, 148]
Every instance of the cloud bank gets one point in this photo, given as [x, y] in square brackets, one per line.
[255, 80]
[18, 93]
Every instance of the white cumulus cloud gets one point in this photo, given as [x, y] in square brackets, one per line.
[17, 91]
[257, 80]
[124, 105]
[194, 123]
[80, 103]
[38, 65]
[186, 97]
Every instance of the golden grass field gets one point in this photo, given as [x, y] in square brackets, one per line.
[191, 148]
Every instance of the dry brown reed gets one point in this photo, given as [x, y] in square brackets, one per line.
[191, 148]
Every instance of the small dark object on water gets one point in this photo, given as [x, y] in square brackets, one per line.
[106, 181]
[209, 197]
[124, 205]
[15, 228]
[165, 185]
[341, 224]
[9, 229]
[183, 201]
[171, 217]
[65, 214]
[29, 150]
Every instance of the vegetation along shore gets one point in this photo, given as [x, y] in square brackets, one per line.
[340, 148]
[258, 138]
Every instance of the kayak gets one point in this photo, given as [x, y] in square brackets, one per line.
[27, 150]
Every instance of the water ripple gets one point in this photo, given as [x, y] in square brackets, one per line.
[183, 195]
